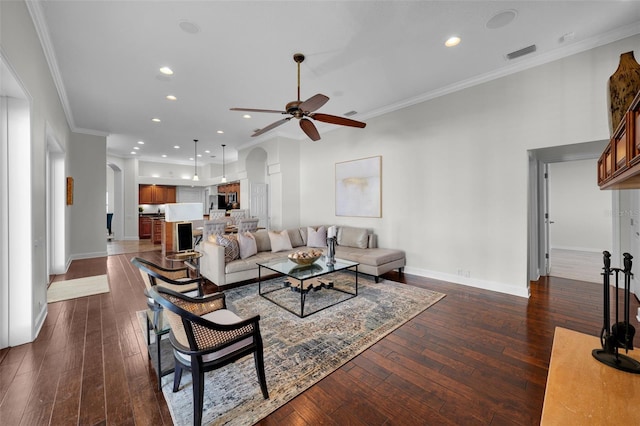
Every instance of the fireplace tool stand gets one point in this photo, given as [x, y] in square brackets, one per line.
[620, 335]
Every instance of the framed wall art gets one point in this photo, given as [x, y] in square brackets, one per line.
[359, 187]
[69, 191]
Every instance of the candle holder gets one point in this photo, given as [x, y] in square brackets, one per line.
[331, 251]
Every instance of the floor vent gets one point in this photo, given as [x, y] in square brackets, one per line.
[521, 52]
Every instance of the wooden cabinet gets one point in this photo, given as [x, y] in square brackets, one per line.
[231, 193]
[145, 194]
[170, 194]
[144, 227]
[156, 194]
[619, 164]
[156, 230]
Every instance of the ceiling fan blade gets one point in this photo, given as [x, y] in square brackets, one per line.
[313, 103]
[310, 129]
[334, 119]
[271, 126]
[258, 110]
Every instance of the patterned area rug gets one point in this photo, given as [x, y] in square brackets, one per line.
[298, 352]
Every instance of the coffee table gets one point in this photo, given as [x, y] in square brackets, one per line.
[304, 279]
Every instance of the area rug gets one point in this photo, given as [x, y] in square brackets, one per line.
[298, 352]
[79, 287]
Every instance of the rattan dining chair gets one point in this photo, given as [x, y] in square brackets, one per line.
[205, 336]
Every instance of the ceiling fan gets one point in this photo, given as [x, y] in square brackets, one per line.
[303, 111]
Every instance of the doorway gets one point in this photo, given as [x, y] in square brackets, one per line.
[579, 220]
[539, 215]
[16, 265]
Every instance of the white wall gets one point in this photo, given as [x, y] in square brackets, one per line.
[21, 49]
[87, 153]
[455, 169]
[576, 205]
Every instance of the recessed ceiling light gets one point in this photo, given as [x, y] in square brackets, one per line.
[164, 155]
[136, 148]
[140, 142]
[171, 97]
[166, 71]
[190, 158]
[155, 120]
[206, 151]
[199, 155]
[133, 152]
[220, 131]
[246, 116]
[452, 41]
[176, 146]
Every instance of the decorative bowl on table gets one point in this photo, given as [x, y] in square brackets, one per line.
[305, 257]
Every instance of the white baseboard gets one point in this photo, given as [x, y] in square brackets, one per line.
[585, 249]
[88, 255]
[471, 282]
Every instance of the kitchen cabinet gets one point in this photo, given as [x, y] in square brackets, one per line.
[156, 230]
[156, 194]
[144, 227]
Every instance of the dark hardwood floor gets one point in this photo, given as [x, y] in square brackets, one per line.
[474, 358]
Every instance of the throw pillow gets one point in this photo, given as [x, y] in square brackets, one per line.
[212, 238]
[353, 237]
[280, 241]
[317, 238]
[262, 240]
[247, 243]
[295, 237]
[230, 244]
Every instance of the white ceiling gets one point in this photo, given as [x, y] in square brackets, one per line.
[367, 56]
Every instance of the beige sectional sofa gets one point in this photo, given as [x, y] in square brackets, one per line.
[354, 244]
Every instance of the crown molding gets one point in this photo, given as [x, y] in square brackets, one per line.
[37, 16]
[520, 65]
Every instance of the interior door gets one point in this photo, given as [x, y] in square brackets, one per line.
[259, 204]
[547, 221]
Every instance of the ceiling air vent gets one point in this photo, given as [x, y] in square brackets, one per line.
[350, 113]
[521, 52]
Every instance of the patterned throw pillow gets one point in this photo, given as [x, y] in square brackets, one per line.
[230, 244]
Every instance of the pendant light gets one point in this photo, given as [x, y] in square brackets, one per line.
[224, 178]
[195, 158]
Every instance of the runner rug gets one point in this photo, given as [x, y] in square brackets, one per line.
[298, 351]
[79, 287]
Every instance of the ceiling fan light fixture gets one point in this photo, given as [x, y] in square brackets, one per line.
[304, 111]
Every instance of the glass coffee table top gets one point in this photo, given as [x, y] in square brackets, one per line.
[305, 281]
[303, 272]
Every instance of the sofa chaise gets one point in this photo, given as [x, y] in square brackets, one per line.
[222, 264]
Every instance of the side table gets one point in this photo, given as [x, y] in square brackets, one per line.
[191, 259]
